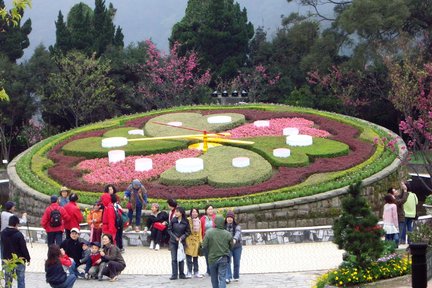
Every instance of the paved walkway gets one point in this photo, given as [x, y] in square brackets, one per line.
[290, 265]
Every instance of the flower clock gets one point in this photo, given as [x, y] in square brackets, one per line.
[197, 153]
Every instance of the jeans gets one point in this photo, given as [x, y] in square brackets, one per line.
[176, 266]
[138, 209]
[218, 272]
[70, 280]
[235, 256]
[393, 237]
[192, 260]
[20, 272]
[407, 226]
[54, 238]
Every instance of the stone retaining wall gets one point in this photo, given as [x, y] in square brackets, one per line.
[316, 210]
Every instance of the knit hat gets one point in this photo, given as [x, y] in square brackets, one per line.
[230, 214]
[54, 198]
[9, 205]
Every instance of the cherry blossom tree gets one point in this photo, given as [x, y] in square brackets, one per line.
[171, 80]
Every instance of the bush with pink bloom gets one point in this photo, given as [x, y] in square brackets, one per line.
[276, 128]
[101, 171]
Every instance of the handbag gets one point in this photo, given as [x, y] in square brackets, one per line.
[181, 255]
[159, 226]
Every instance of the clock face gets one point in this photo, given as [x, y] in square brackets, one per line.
[250, 151]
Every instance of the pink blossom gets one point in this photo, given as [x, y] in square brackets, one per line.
[100, 171]
[276, 128]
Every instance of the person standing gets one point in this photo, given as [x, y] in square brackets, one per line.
[390, 219]
[172, 205]
[10, 209]
[64, 196]
[193, 242]
[400, 197]
[137, 195]
[109, 215]
[75, 215]
[410, 210]
[178, 229]
[207, 222]
[236, 251]
[94, 220]
[218, 243]
[52, 221]
[14, 243]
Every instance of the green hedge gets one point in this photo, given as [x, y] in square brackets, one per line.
[32, 166]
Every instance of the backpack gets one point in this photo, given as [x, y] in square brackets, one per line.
[118, 219]
[55, 219]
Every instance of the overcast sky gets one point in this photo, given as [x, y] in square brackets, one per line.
[144, 19]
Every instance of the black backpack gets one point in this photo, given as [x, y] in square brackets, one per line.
[55, 219]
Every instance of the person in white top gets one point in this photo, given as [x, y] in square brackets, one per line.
[10, 209]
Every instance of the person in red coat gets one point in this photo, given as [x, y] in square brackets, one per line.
[76, 217]
[54, 233]
[109, 216]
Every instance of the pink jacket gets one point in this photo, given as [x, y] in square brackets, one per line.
[390, 215]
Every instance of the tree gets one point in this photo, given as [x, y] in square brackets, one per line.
[87, 30]
[14, 15]
[172, 80]
[219, 31]
[13, 36]
[356, 230]
[17, 110]
[81, 90]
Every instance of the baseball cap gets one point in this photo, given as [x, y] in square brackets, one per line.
[75, 230]
[54, 198]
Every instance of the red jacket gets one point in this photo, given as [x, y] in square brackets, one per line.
[75, 215]
[94, 258]
[203, 221]
[45, 221]
[108, 217]
[65, 260]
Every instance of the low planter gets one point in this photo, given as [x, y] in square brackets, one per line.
[428, 209]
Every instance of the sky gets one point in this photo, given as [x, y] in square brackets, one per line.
[147, 19]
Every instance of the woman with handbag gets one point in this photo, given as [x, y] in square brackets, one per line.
[178, 229]
[193, 243]
[137, 196]
[157, 223]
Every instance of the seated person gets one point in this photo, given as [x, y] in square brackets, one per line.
[85, 261]
[157, 223]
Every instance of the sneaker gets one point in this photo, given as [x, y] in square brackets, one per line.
[137, 229]
[188, 275]
[122, 250]
[87, 276]
[198, 275]
[151, 245]
[236, 280]
[157, 247]
[115, 278]
[227, 281]
[182, 276]
[173, 277]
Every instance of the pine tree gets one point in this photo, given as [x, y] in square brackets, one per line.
[356, 230]
[14, 38]
[63, 36]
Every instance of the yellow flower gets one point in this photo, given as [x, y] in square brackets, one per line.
[340, 282]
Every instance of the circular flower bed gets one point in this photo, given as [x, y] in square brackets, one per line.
[342, 152]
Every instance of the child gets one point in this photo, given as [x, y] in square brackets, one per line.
[85, 261]
[94, 220]
[67, 263]
[95, 260]
[390, 219]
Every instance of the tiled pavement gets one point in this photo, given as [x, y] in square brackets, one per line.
[290, 265]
